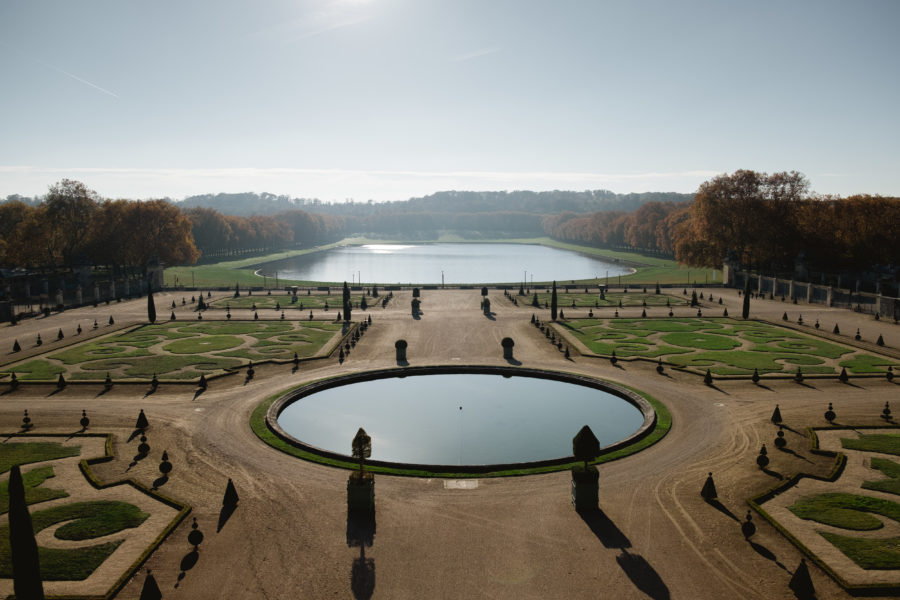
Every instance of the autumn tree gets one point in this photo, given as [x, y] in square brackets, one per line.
[748, 213]
[69, 209]
[157, 229]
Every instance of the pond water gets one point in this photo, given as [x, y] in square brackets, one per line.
[430, 263]
[460, 419]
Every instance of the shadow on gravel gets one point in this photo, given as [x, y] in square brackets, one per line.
[361, 533]
[767, 554]
[639, 571]
[643, 575]
[771, 473]
[605, 530]
[722, 509]
[789, 451]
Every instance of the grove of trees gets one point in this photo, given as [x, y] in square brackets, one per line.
[766, 221]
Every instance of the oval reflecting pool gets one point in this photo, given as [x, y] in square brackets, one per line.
[442, 263]
[459, 418]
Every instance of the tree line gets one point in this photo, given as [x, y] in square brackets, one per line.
[765, 221]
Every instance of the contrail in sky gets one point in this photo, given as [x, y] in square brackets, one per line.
[66, 73]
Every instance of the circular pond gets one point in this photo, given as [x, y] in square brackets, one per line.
[461, 418]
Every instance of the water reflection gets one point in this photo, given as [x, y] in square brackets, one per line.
[455, 263]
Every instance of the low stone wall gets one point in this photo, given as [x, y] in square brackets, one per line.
[810, 293]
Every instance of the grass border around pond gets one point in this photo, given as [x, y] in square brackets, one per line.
[650, 435]
[649, 270]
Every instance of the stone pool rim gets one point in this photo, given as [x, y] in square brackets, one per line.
[285, 399]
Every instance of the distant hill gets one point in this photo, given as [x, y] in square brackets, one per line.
[250, 203]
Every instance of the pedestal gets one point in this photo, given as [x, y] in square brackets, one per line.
[584, 488]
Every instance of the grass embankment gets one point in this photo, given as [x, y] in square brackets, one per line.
[649, 270]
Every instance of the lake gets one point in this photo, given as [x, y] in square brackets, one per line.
[442, 263]
[460, 419]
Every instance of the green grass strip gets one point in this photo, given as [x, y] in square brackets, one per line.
[14, 453]
[885, 443]
[88, 520]
[848, 511]
[33, 494]
[867, 553]
[888, 468]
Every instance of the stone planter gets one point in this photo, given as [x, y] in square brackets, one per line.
[584, 488]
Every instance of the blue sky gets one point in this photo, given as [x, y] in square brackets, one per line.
[387, 99]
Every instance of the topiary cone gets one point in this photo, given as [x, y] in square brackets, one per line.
[150, 590]
[801, 583]
[23, 548]
[776, 415]
[141, 422]
[16, 346]
[708, 492]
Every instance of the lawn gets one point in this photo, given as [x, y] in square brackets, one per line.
[86, 520]
[885, 443]
[727, 347]
[181, 350]
[847, 511]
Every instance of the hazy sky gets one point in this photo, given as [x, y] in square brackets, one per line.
[387, 99]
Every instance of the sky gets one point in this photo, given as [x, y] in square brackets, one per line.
[391, 99]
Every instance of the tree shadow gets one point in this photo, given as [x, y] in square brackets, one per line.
[490, 316]
[187, 563]
[159, 482]
[605, 530]
[417, 316]
[771, 473]
[718, 389]
[149, 392]
[55, 391]
[791, 429]
[765, 387]
[362, 576]
[851, 384]
[197, 393]
[102, 392]
[806, 385]
[643, 575]
[137, 458]
[766, 553]
[224, 515]
[789, 451]
[722, 508]
[360, 528]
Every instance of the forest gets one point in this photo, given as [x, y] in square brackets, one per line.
[766, 221]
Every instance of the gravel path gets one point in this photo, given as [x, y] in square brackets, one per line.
[504, 538]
